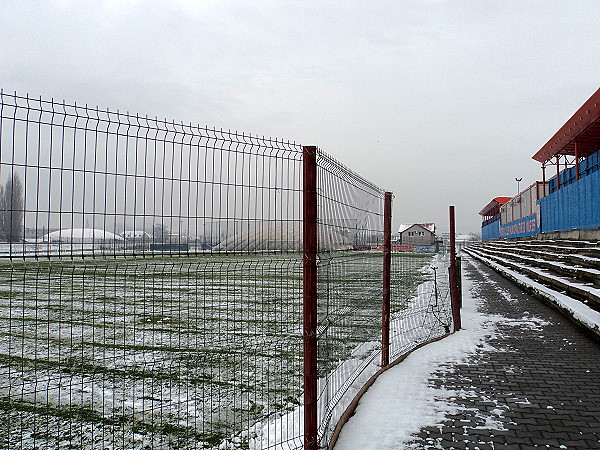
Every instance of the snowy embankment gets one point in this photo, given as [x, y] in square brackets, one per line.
[405, 398]
[576, 309]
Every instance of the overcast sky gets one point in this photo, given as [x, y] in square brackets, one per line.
[441, 102]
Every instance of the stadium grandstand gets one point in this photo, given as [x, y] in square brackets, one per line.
[567, 203]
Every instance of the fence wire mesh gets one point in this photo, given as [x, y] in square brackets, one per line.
[351, 289]
[350, 285]
[420, 301]
[151, 284]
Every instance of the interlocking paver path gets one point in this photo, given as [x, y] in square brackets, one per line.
[539, 383]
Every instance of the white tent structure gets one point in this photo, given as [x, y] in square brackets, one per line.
[82, 236]
[282, 237]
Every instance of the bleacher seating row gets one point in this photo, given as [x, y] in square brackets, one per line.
[567, 267]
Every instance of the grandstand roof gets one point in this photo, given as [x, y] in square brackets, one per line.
[493, 207]
[582, 128]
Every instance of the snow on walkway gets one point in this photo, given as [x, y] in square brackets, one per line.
[403, 400]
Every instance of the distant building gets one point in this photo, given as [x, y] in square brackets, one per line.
[71, 240]
[460, 240]
[417, 234]
[136, 239]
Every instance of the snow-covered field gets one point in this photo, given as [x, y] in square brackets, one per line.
[190, 352]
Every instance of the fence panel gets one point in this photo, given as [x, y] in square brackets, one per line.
[350, 272]
[350, 215]
[151, 284]
[420, 301]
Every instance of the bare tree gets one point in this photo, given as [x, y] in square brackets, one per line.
[12, 209]
[474, 236]
[160, 233]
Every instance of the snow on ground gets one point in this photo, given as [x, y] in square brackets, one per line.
[403, 400]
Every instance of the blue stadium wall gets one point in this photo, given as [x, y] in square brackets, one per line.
[491, 231]
[525, 227]
[575, 206]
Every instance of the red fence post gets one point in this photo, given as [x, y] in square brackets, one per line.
[455, 301]
[309, 268]
[387, 263]
[576, 161]
[557, 172]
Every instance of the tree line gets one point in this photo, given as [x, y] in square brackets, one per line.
[12, 209]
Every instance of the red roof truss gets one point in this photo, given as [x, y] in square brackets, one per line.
[579, 136]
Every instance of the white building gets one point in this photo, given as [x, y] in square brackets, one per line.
[417, 233]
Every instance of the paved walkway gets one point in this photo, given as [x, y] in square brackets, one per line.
[538, 381]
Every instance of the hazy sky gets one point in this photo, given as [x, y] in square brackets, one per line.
[441, 102]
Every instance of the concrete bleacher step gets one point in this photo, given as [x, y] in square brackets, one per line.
[582, 268]
[548, 288]
[581, 248]
[582, 283]
[565, 263]
[592, 248]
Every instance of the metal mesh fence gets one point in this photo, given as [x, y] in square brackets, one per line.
[83, 181]
[350, 285]
[128, 354]
[420, 301]
[151, 284]
[351, 288]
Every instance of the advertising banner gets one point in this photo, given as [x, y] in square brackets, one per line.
[527, 226]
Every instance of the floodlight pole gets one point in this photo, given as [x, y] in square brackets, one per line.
[309, 267]
[544, 176]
